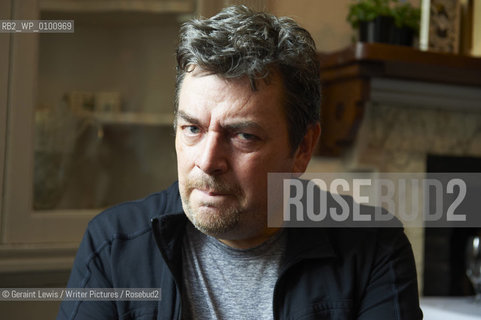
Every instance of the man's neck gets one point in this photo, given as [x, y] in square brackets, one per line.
[250, 242]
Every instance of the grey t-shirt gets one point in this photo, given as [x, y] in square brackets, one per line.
[220, 282]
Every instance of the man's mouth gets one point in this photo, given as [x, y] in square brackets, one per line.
[213, 193]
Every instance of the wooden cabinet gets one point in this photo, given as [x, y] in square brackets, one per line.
[62, 161]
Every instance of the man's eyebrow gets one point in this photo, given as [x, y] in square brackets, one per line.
[233, 126]
[188, 118]
[242, 125]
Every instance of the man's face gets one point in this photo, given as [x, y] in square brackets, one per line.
[228, 138]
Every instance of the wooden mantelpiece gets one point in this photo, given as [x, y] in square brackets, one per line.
[347, 76]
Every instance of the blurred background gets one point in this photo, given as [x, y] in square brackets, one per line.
[86, 117]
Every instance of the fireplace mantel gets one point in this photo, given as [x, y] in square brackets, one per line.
[370, 72]
[387, 109]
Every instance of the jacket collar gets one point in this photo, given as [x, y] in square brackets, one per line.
[168, 230]
[307, 243]
[302, 243]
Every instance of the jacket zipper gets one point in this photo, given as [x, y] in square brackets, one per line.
[155, 228]
[276, 288]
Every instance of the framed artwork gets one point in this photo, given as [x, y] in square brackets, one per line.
[444, 25]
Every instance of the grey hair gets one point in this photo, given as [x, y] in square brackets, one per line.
[239, 42]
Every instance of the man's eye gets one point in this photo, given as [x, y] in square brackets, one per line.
[247, 136]
[191, 129]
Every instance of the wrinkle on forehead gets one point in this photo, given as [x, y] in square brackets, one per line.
[229, 101]
[255, 84]
[232, 90]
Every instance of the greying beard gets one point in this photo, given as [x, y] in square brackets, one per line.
[227, 217]
[215, 226]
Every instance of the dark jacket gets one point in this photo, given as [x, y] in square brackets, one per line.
[332, 273]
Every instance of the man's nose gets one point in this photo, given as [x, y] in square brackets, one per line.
[213, 154]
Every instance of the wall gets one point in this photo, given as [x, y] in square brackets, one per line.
[325, 20]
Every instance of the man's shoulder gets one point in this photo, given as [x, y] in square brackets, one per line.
[367, 249]
[133, 218]
[367, 237]
[350, 242]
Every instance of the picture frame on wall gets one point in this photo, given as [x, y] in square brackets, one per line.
[444, 26]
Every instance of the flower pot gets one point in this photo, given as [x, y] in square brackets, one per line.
[403, 36]
[377, 30]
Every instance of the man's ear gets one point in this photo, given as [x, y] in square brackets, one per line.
[305, 149]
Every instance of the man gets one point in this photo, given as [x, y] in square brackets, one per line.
[247, 103]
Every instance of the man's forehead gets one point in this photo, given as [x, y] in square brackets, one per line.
[206, 94]
[209, 90]
[217, 105]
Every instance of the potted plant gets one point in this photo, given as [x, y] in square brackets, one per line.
[406, 23]
[373, 18]
[388, 21]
